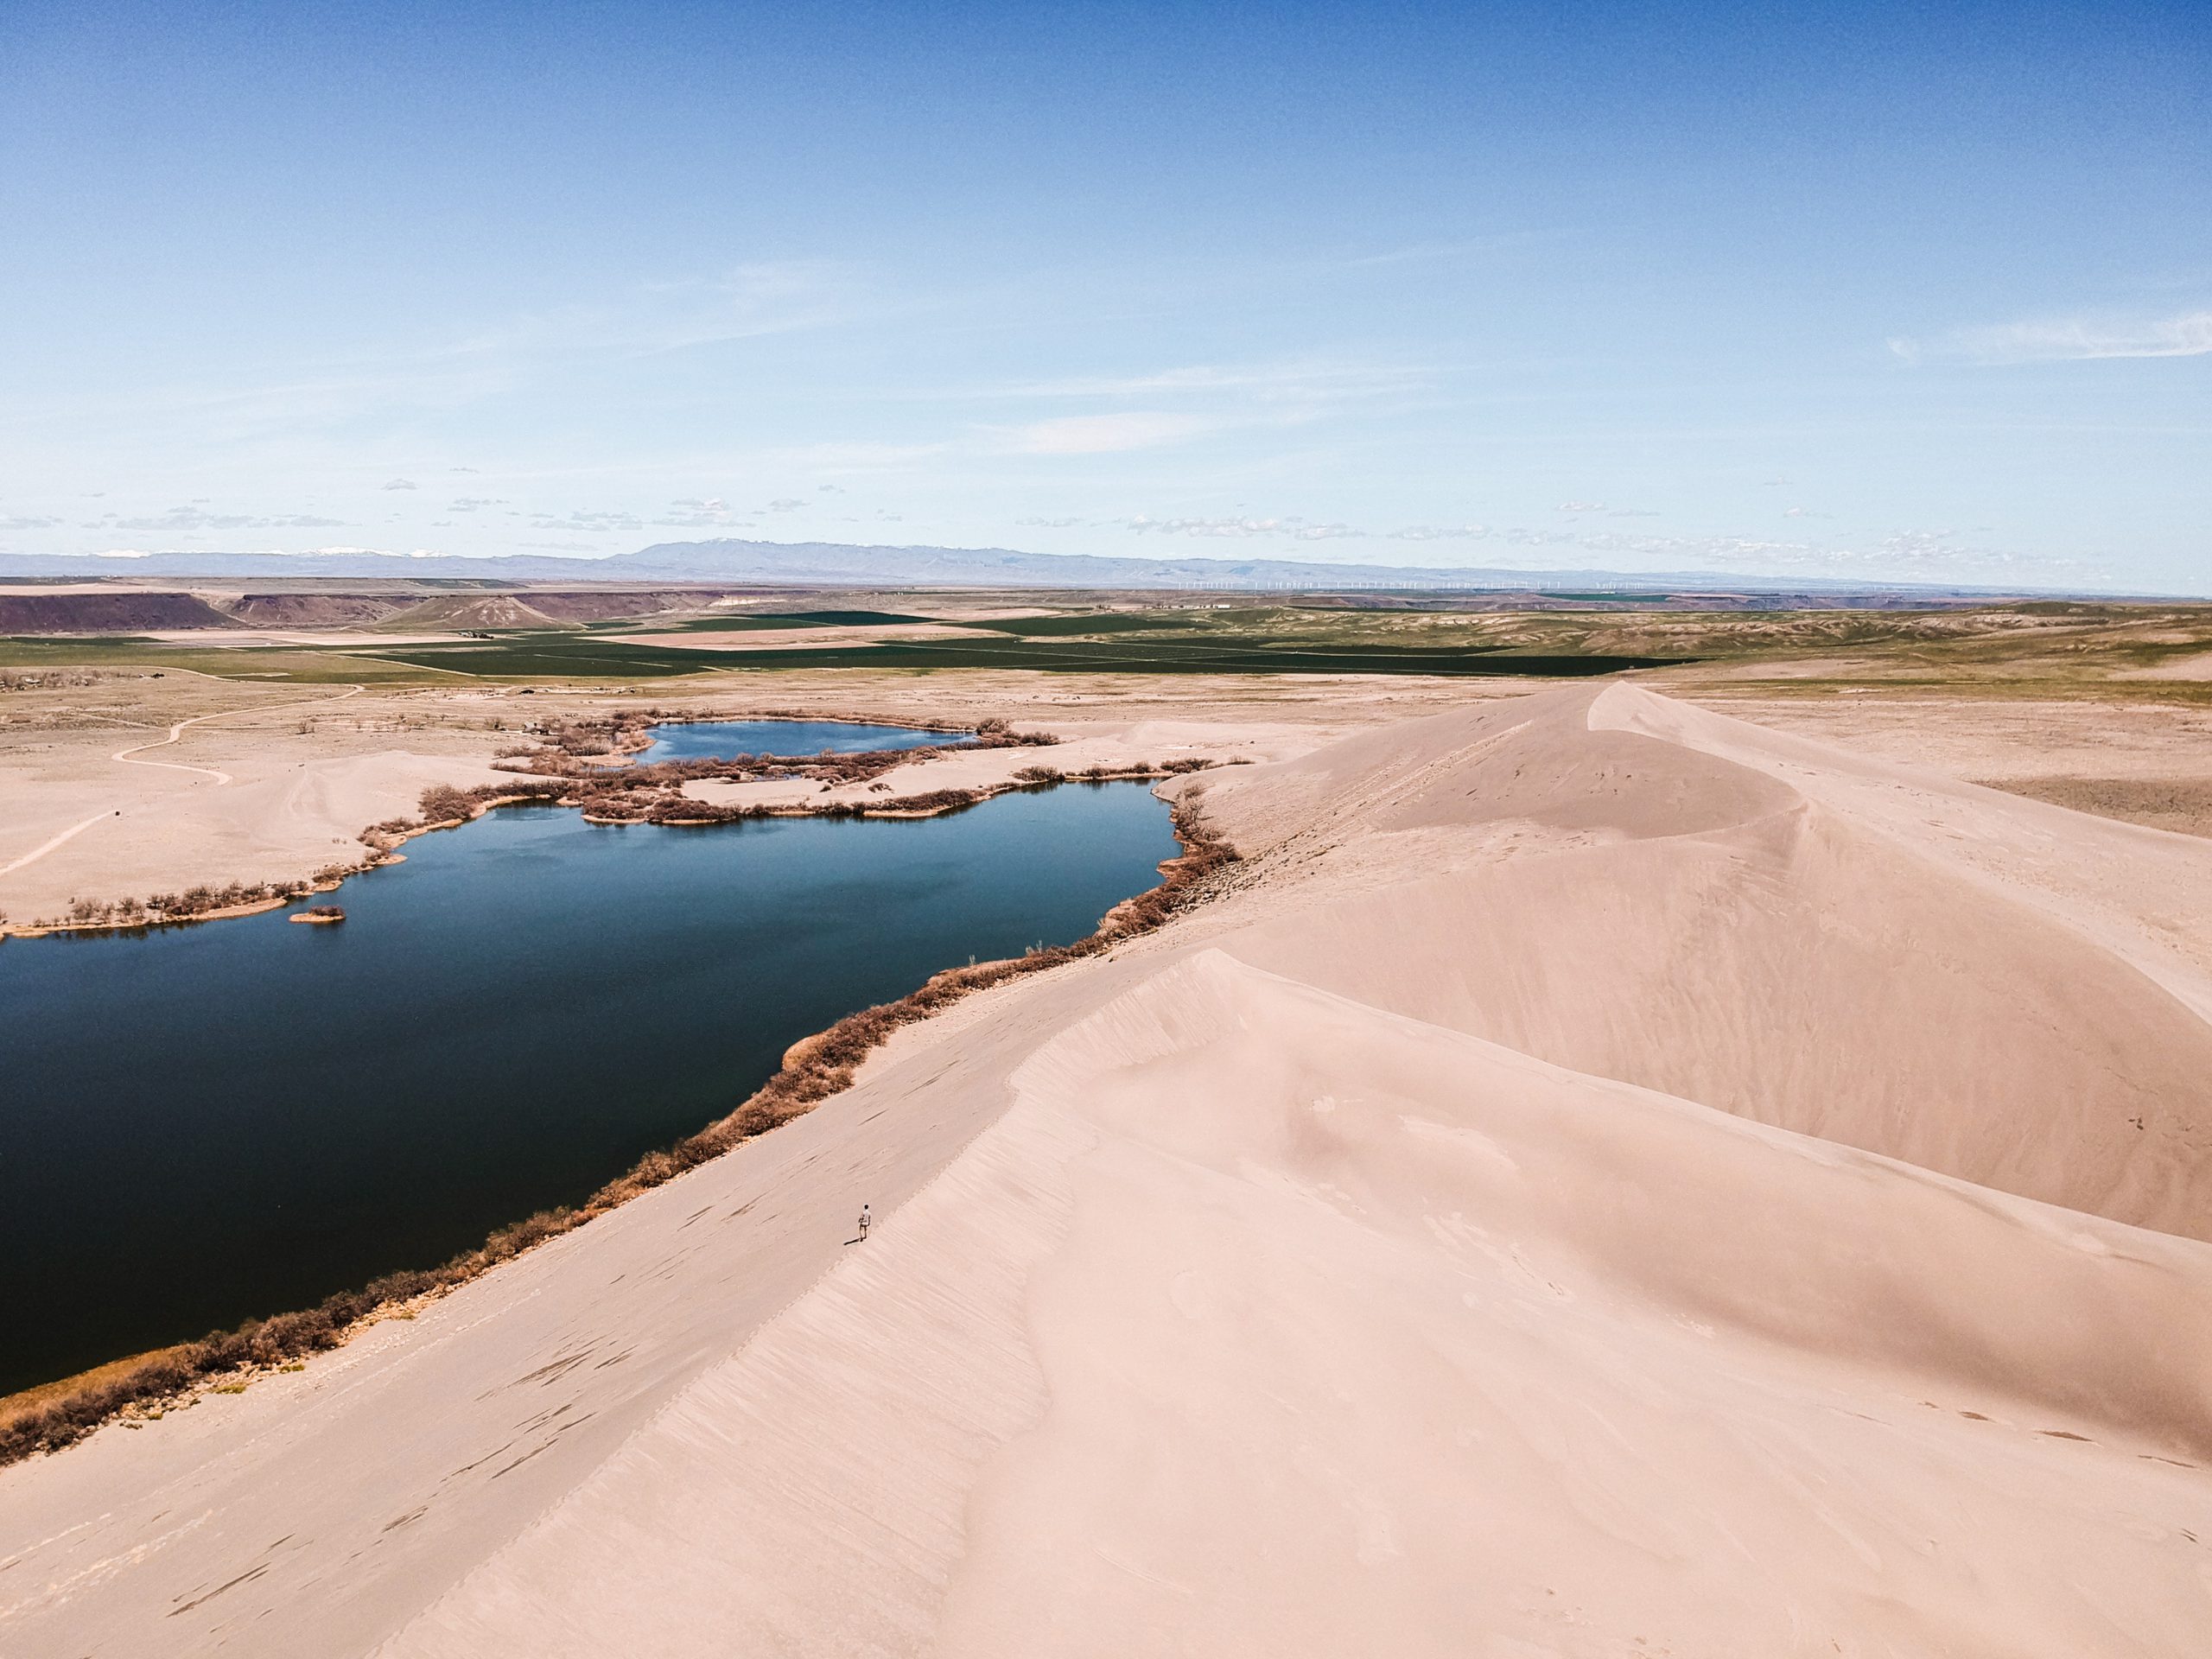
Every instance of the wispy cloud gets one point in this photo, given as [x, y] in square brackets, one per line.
[1179, 403]
[598, 524]
[851, 457]
[1441, 533]
[697, 512]
[189, 519]
[2065, 340]
[749, 301]
[1101, 435]
[1300, 530]
[1298, 380]
[472, 366]
[1579, 509]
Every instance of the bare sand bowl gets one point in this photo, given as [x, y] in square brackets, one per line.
[1608, 1179]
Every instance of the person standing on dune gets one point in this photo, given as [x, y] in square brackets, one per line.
[864, 1221]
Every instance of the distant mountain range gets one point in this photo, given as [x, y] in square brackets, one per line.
[836, 564]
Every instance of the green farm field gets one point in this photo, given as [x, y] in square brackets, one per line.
[2069, 649]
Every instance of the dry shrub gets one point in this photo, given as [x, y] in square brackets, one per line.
[442, 804]
[997, 734]
[935, 800]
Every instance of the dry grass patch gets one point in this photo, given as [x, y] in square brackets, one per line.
[2183, 804]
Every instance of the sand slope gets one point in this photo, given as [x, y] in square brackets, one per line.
[1612, 1180]
[1979, 984]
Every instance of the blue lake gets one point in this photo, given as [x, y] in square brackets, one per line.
[718, 740]
[208, 1123]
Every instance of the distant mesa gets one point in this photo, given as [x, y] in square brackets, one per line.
[120, 611]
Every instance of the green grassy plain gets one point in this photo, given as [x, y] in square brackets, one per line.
[2053, 648]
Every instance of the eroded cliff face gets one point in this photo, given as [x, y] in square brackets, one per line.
[122, 612]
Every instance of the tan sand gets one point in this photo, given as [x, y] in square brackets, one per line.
[219, 783]
[1118, 746]
[1608, 1179]
[1998, 739]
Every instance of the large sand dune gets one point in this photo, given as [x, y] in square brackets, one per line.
[1611, 1180]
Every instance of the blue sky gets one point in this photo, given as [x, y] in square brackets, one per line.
[1900, 292]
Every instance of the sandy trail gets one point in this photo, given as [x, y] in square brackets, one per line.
[61, 840]
[1606, 1179]
[176, 732]
[128, 757]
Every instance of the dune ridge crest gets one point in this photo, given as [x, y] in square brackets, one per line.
[1976, 984]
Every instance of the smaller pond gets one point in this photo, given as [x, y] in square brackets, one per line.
[718, 740]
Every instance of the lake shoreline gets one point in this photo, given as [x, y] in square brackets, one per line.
[51, 1415]
[628, 733]
[557, 753]
[931, 805]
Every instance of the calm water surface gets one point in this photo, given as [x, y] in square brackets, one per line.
[213, 1123]
[718, 740]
